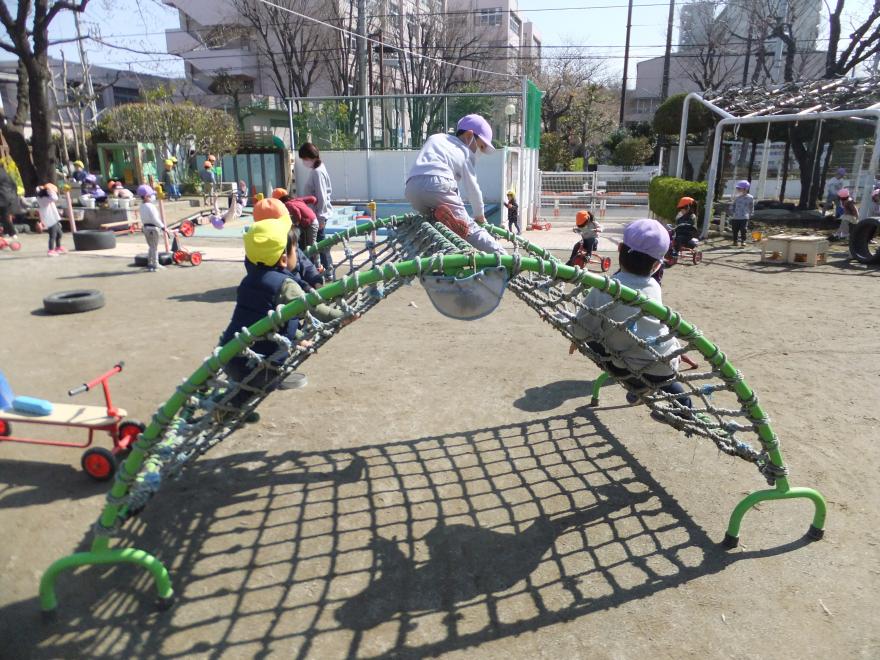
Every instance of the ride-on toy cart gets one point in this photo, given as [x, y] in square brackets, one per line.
[99, 463]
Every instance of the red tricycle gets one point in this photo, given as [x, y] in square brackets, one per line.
[580, 260]
[179, 254]
[99, 463]
[15, 246]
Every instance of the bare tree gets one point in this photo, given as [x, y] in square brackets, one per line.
[289, 42]
[863, 44]
[430, 48]
[561, 79]
[28, 39]
[710, 59]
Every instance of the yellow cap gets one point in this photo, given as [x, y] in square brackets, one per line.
[168, 162]
[265, 241]
[511, 193]
[78, 163]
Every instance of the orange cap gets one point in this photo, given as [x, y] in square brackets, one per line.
[582, 218]
[278, 193]
[269, 208]
[207, 164]
[685, 201]
[51, 187]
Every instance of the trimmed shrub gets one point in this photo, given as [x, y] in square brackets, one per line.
[665, 191]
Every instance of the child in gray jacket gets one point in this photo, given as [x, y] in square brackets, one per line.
[741, 210]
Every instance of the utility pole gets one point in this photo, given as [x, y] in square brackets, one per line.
[86, 70]
[362, 67]
[629, 15]
[667, 56]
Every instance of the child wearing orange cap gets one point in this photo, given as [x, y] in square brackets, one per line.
[47, 195]
[209, 182]
[589, 230]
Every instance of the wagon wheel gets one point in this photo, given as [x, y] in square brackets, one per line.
[698, 256]
[178, 257]
[605, 264]
[128, 433]
[195, 258]
[99, 463]
[5, 428]
[15, 246]
[187, 228]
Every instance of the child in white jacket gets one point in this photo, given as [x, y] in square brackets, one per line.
[47, 195]
[445, 163]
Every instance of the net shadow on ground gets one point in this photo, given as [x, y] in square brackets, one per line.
[404, 549]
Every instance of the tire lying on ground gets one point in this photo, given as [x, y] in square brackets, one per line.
[165, 259]
[92, 239]
[73, 302]
[860, 238]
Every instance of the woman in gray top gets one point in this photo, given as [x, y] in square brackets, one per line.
[318, 185]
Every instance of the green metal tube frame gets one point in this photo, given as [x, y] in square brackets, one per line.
[450, 264]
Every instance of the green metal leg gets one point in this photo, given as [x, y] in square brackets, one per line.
[781, 492]
[49, 602]
[597, 385]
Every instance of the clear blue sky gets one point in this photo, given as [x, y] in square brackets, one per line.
[597, 25]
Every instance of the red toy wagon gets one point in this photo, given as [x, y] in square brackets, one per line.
[98, 462]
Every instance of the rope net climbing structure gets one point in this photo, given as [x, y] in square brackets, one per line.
[378, 258]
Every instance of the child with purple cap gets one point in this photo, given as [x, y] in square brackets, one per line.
[742, 208]
[445, 163]
[152, 226]
[645, 242]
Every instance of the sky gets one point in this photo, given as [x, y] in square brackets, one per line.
[599, 26]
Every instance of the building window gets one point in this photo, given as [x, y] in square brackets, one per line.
[489, 17]
[515, 24]
[123, 95]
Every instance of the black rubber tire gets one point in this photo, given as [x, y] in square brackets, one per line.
[73, 302]
[165, 259]
[860, 238]
[93, 239]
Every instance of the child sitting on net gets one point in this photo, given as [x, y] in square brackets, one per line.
[645, 242]
[589, 230]
[270, 254]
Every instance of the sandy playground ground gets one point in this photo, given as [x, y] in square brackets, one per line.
[441, 488]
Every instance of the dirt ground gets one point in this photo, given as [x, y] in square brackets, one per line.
[441, 488]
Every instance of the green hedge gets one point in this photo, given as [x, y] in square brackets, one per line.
[665, 191]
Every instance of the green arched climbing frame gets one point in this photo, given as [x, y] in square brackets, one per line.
[100, 551]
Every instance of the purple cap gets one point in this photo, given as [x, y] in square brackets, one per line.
[743, 185]
[91, 178]
[145, 190]
[841, 171]
[479, 126]
[647, 236]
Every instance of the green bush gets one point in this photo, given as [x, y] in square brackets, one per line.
[665, 191]
[632, 151]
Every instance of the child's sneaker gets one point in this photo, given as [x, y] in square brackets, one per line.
[60, 250]
[51, 253]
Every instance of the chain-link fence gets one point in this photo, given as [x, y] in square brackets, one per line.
[401, 121]
[563, 192]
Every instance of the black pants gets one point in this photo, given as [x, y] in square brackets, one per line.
[626, 376]
[55, 236]
[6, 220]
[513, 223]
[589, 244]
[326, 262]
[739, 226]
